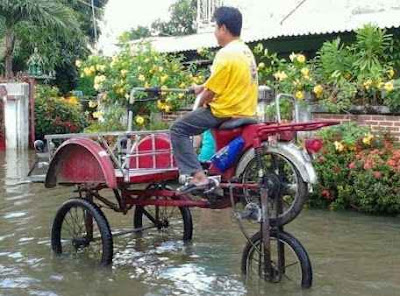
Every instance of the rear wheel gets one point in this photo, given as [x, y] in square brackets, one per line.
[80, 230]
[289, 260]
[284, 181]
[169, 222]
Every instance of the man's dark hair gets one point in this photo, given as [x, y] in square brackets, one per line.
[230, 17]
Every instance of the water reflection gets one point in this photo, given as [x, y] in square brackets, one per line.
[352, 254]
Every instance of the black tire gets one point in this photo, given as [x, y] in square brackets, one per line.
[171, 222]
[296, 267]
[293, 190]
[91, 238]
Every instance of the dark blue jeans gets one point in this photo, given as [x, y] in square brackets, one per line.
[193, 123]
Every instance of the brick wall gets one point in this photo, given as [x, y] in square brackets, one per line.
[378, 123]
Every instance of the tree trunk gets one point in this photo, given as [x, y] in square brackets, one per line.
[9, 54]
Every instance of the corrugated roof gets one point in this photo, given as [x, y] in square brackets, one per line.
[312, 17]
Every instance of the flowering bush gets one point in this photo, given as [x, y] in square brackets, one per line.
[55, 114]
[139, 67]
[292, 77]
[357, 170]
[361, 73]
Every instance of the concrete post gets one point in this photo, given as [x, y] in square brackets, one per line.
[16, 115]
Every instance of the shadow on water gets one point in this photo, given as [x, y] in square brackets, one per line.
[352, 254]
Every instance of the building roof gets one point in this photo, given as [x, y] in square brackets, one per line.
[283, 19]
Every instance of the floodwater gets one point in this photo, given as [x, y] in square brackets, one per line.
[351, 254]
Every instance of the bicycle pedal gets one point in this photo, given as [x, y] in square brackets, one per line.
[252, 211]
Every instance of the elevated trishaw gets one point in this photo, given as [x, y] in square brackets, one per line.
[267, 182]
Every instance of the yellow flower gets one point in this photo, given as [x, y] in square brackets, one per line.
[301, 58]
[98, 114]
[87, 71]
[99, 79]
[318, 90]
[139, 120]
[160, 69]
[367, 84]
[338, 146]
[160, 105]
[167, 108]
[163, 78]
[261, 66]
[182, 85]
[305, 71]
[101, 68]
[96, 86]
[181, 95]
[280, 75]
[93, 69]
[72, 100]
[141, 77]
[292, 57]
[78, 63]
[389, 86]
[299, 95]
[124, 72]
[92, 104]
[367, 139]
[147, 85]
[390, 73]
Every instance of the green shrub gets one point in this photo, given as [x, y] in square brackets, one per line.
[358, 171]
[55, 114]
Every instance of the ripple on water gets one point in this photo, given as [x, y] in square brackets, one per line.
[14, 215]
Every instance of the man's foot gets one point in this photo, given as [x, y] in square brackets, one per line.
[198, 186]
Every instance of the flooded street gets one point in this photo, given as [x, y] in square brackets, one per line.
[351, 254]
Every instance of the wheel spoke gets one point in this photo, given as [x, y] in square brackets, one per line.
[150, 217]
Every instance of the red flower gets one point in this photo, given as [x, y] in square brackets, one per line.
[391, 162]
[352, 165]
[326, 194]
[377, 174]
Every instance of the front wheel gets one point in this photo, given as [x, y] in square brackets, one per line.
[284, 183]
[289, 259]
[169, 222]
[80, 230]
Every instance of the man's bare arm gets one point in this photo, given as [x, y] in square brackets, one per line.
[206, 97]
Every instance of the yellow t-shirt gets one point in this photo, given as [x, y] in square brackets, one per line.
[234, 81]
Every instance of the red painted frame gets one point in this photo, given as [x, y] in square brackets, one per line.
[97, 170]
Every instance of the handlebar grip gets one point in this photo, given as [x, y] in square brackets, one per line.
[153, 90]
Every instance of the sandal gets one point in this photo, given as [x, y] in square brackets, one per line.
[191, 187]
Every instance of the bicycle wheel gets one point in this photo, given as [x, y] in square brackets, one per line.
[286, 183]
[289, 259]
[170, 222]
[80, 230]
